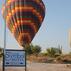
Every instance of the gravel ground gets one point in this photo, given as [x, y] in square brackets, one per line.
[41, 67]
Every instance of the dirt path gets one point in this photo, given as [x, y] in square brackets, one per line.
[42, 67]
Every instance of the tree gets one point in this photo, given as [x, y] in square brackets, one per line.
[69, 53]
[36, 50]
[53, 52]
[59, 49]
[1, 52]
[29, 49]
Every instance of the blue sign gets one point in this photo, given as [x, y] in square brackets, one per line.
[15, 58]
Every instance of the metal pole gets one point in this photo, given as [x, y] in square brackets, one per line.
[25, 47]
[4, 42]
[3, 61]
[25, 62]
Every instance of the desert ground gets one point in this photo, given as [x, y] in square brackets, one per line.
[40, 67]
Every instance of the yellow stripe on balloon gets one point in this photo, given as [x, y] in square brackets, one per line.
[22, 34]
[31, 24]
[23, 8]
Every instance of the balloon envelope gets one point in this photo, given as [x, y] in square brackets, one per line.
[24, 18]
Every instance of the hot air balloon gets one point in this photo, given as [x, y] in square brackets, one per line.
[23, 18]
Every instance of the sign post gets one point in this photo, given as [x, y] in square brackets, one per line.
[14, 58]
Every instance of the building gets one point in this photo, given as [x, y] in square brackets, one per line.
[69, 37]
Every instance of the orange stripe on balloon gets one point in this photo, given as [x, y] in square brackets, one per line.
[24, 9]
[23, 34]
[29, 8]
[25, 22]
[37, 1]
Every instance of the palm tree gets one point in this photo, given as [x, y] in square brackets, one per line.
[52, 52]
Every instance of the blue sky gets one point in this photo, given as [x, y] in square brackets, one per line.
[54, 29]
